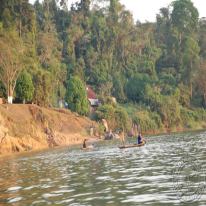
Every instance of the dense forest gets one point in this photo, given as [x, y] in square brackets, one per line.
[156, 71]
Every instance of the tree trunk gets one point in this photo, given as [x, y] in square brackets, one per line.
[191, 90]
[10, 99]
[180, 38]
[190, 77]
[10, 94]
[204, 100]
[20, 25]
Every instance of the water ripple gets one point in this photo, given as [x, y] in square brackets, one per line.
[164, 172]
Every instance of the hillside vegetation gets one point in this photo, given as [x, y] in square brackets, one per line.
[156, 71]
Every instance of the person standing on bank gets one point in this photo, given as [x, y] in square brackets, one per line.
[140, 138]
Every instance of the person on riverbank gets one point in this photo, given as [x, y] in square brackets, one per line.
[140, 138]
[84, 146]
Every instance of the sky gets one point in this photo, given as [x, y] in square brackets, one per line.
[146, 10]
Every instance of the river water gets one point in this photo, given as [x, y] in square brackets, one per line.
[168, 170]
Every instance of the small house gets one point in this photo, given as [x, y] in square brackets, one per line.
[92, 97]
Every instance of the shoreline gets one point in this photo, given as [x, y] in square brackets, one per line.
[161, 132]
[33, 151]
[4, 157]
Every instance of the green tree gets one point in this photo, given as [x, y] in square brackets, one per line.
[190, 61]
[116, 117]
[76, 96]
[135, 87]
[201, 82]
[2, 90]
[43, 88]
[185, 97]
[25, 87]
[107, 112]
[184, 17]
[11, 60]
[122, 119]
[118, 88]
[202, 37]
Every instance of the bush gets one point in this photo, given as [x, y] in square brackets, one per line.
[25, 87]
[188, 115]
[166, 78]
[169, 111]
[117, 117]
[107, 100]
[166, 106]
[190, 118]
[2, 90]
[184, 95]
[76, 96]
[135, 88]
[201, 113]
[156, 117]
[147, 121]
[118, 88]
[105, 112]
[122, 119]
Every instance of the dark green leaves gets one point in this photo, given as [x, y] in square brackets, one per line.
[76, 96]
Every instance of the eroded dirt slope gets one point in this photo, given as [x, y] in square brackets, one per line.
[29, 127]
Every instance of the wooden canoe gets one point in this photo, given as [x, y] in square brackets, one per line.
[132, 145]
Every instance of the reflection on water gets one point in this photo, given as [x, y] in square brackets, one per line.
[169, 170]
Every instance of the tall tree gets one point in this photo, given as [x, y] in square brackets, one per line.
[43, 88]
[11, 60]
[190, 61]
[202, 37]
[184, 17]
[201, 82]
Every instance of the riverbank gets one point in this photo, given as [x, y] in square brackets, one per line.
[201, 126]
[26, 128]
[30, 127]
